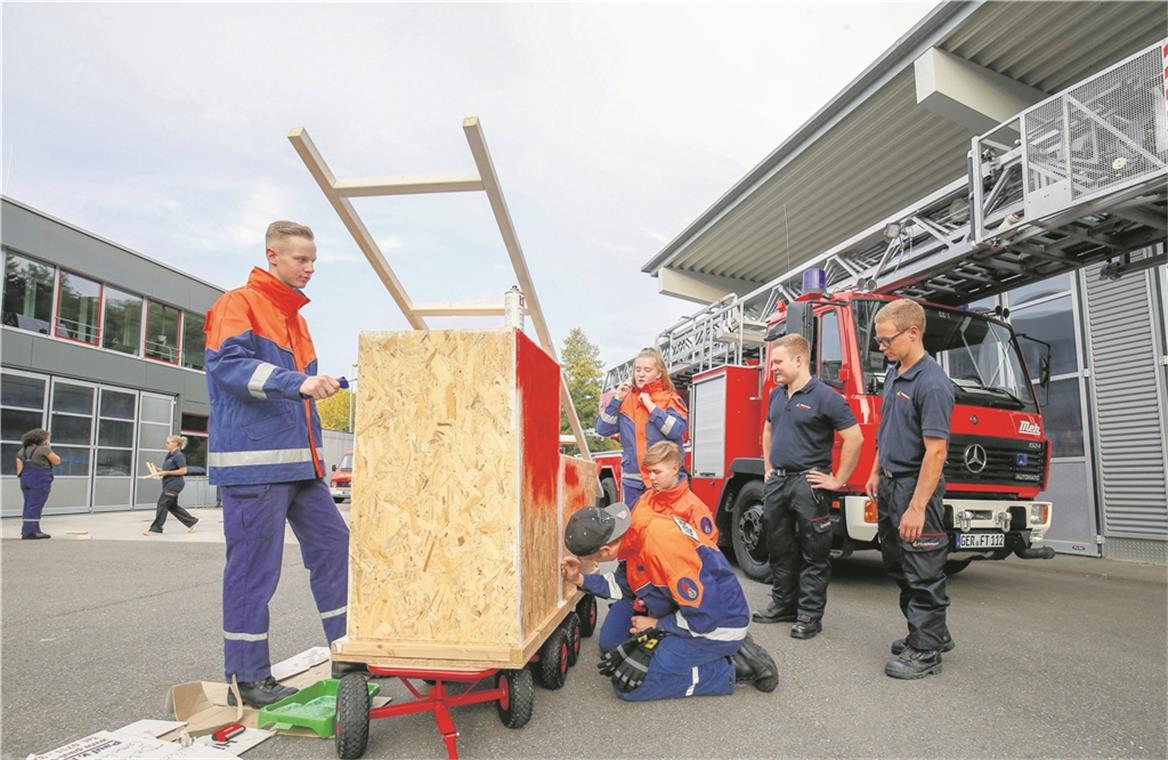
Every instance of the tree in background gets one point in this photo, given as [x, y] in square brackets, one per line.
[584, 373]
[334, 412]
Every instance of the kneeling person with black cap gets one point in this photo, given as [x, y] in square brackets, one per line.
[693, 641]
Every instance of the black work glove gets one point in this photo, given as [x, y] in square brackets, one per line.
[632, 671]
[610, 660]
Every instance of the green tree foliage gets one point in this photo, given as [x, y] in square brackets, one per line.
[334, 412]
[583, 371]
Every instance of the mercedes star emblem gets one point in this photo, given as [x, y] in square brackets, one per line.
[975, 458]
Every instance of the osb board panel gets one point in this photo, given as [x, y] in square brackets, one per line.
[537, 378]
[433, 529]
[579, 487]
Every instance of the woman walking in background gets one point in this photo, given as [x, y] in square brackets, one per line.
[34, 467]
[646, 409]
[174, 467]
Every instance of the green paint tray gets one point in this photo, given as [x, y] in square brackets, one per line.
[314, 708]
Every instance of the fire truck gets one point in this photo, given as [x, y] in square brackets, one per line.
[1079, 178]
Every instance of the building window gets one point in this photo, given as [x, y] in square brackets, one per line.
[71, 425]
[194, 427]
[115, 433]
[162, 332]
[1063, 415]
[193, 340]
[22, 408]
[79, 309]
[28, 294]
[122, 326]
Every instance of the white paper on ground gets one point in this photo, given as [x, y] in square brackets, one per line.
[106, 745]
[300, 662]
[239, 743]
[151, 728]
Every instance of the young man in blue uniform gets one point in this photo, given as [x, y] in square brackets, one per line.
[802, 419]
[692, 639]
[264, 452]
[907, 485]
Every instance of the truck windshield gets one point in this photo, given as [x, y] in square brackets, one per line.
[346, 462]
[980, 355]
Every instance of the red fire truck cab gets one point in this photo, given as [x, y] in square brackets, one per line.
[341, 482]
[998, 458]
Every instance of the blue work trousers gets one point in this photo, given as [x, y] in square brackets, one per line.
[683, 667]
[253, 522]
[35, 484]
[631, 490]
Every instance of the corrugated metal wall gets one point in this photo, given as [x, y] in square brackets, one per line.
[1128, 399]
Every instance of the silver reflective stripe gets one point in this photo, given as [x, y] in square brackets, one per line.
[255, 386]
[334, 613]
[232, 636]
[250, 458]
[614, 589]
[668, 424]
[35, 519]
[718, 634]
[689, 692]
[611, 419]
[634, 476]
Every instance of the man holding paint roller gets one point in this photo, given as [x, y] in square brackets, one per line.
[264, 453]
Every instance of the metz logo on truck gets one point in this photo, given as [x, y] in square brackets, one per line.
[1026, 427]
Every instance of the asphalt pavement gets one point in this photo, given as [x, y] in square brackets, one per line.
[1059, 658]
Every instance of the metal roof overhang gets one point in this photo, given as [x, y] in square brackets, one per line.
[873, 149]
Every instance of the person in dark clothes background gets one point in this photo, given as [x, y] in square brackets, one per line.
[174, 467]
[34, 467]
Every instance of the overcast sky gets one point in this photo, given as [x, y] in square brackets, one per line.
[612, 127]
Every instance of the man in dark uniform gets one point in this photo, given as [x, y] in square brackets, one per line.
[802, 419]
[907, 485]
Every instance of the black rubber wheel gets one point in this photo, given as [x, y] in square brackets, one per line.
[571, 624]
[338, 499]
[587, 612]
[608, 493]
[749, 533]
[352, 734]
[552, 668]
[518, 697]
[955, 566]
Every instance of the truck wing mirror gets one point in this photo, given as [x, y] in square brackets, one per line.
[801, 319]
[334, 468]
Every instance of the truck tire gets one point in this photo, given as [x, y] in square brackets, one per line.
[518, 698]
[352, 734]
[748, 533]
[608, 493]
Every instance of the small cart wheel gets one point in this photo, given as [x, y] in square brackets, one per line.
[571, 624]
[352, 717]
[553, 660]
[518, 697]
[586, 610]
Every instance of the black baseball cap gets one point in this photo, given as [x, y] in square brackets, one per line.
[593, 527]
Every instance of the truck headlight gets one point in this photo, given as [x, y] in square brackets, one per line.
[1039, 514]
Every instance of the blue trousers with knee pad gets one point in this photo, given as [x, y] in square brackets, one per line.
[615, 627]
[683, 668]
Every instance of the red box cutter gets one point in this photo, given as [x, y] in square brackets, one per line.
[228, 732]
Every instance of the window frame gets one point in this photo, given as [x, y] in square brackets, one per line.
[178, 347]
[61, 272]
[53, 299]
[139, 349]
[44, 408]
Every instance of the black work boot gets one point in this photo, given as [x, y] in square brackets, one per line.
[342, 669]
[912, 664]
[898, 646]
[773, 614]
[259, 694]
[806, 629]
[753, 664]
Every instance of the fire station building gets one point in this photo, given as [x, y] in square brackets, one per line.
[901, 131]
[103, 347]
